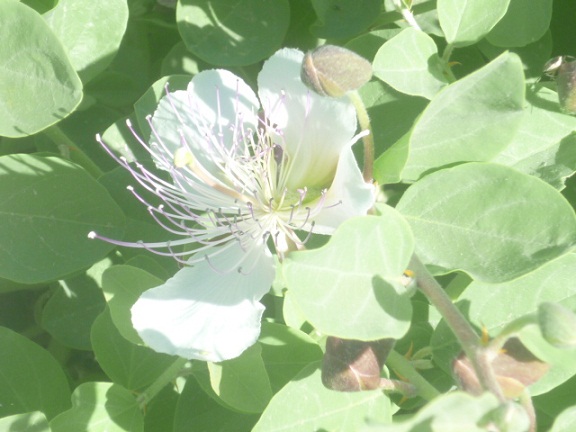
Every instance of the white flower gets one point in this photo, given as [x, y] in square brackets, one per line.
[242, 183]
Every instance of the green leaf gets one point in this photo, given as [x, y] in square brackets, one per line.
[342, 19]
[466, 22]
[38, 85]
[31, 379]
[134, 367]
[69, 313]
[305, 404]
[473, 119]
[286, 352]
[409, 62]
[488, 220]
[291, 314]
[566, 421]
[90, 31]
[180, 61]
[452, 412]
[49, 207]
[533, 55]
[390, 164]
[148, 102]
[493, 306]
[242, 382]
[398, 112]
[525, 22]
[30, 422]
[131, 71]
[351, 287]
[544, 145]
[122, 285]
[100, 407]
[161, 409]
[233, 32]
[196, 412]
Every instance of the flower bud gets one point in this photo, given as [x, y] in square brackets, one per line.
[332, 70]
[563, 70]
[557, 324]
[515, 369]
[352, 365]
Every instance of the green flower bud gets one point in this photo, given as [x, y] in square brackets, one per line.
[333, 71]
[557, 324]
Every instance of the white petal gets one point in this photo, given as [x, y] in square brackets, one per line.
[349, 189]
[211, 113]
[316, 129]
[204, 314]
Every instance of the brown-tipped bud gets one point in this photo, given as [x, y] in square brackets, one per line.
[352, 365]
[332, 70]
[515, 368]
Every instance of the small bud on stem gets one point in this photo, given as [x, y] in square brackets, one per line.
[333, 71]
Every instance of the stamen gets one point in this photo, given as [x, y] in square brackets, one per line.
[312, 225]
[306, 219]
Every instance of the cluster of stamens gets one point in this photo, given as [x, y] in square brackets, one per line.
[241, 198]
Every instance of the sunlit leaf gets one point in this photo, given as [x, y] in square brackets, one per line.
[466, 22]
[473, 119]
[488, 220]
[409, 62]
[351, 287]
[232, 33]
[38, 85]
[90, 31]
[314, 407]
[49, 207]
[100, 406]
[242, 382]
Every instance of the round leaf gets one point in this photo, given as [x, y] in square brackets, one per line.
[100, 407]
[285, 351]
[313, 407]
[488, 220]
[33, 421]
[351, 287]
[31, 379]
[90, 31]
[48, 208]
[233, 32]
[122, 285]
[525, 22]
[132, 366]
[198, 412]
[471, 120]
[466, 22]
[454, 412]
[409, 62]
[242, 382]
[38, 85]
[342, 19]
[544, 145]
[566, 421]
[70, 312]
